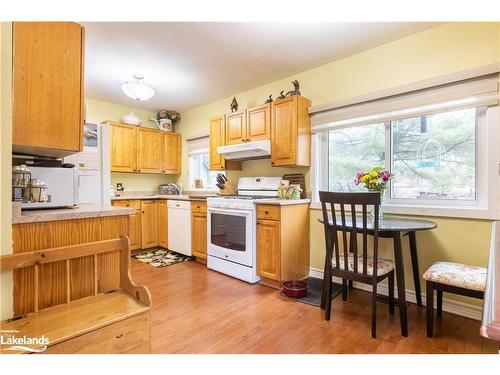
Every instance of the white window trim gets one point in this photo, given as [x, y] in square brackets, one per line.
[487, 169]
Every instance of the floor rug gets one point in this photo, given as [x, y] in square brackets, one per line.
[161, 257]
[313, 296]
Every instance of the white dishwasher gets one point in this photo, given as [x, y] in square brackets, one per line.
[179, 226]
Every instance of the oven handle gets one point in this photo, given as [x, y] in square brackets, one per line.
[229, 211]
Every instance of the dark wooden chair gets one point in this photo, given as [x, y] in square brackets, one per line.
[457, 278]
[351, 264]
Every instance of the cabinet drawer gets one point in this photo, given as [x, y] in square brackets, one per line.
[133, 203]
[197, 206]
[132, 335]
[268, 212]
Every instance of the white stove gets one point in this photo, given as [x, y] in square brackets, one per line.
[232, 227]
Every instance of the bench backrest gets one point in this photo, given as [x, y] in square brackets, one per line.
[36, 259]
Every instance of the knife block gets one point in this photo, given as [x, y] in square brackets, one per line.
[229, 189]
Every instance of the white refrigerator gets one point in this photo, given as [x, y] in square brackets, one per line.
[93, 165]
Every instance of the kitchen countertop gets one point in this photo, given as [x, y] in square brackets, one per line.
[282, 202]
[82, 211]
[159, 196]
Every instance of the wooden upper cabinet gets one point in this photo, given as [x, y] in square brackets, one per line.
[48, 88]
[236, 128]
[216, 138]
[258, 123]
[172, 147]
[123, 148]
[149, 151]
[144, 150]
[290, 132]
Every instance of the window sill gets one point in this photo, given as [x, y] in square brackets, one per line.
[437, 211]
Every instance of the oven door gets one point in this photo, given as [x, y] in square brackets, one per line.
[231, 235]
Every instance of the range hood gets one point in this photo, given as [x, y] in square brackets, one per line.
[246, 151]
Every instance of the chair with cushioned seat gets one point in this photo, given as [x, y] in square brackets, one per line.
[455, 278]
[349, 263]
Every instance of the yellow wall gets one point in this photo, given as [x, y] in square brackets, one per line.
[99, 111]
[5, 161]
[441, 50]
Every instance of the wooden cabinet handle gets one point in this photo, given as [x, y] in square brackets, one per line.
[266, 212]
[119, 336]
[243, 140]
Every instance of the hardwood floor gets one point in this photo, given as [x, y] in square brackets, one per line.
[196, 310]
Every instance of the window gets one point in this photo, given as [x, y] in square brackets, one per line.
[199, 170]
[440, 161]
[200, 176]
[434, 157]
[351, 150]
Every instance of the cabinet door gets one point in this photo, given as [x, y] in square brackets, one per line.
[163, 224]
[123, 148]
[171, 153]
[149, 151]
[284, 131]
[149, 224]
[268, 249]
[236, 131]
[48, 88]
[216, 129]
[134, 223]
[199, 234]
[259, 123]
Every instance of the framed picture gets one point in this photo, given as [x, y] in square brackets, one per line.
[90, 135]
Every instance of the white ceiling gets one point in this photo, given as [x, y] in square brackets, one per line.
[191, 64]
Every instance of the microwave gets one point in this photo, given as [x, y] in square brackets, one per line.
[62, 187]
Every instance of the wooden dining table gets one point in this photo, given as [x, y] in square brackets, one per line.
[395, 228]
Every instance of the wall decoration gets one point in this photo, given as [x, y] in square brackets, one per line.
[234, 105]
[90, 135]
[270, 99]
[295, 91]
[281, 95]
[167, 120]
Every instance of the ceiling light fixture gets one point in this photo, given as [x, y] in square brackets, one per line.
[137, 89]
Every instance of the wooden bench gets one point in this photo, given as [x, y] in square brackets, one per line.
[113, 322]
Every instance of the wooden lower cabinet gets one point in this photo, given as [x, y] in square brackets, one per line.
[134, 221]
[199, 229]
[199, 234]
[129, 336]
[149, 223]
[149, 226]
[268, 243]
[282, 243]
[163, 223]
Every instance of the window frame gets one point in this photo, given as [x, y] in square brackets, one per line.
[190, 169]
[487, 203]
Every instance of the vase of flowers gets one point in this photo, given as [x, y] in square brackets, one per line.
[375, 180]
